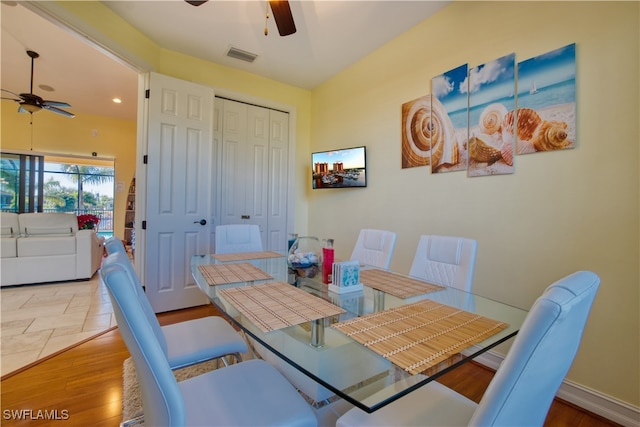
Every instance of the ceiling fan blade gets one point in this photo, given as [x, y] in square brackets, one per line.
[22, 110]
[196, 3]
[55, 104]
[12, 93]
[283, 17]
[10, 99]
[58, 111]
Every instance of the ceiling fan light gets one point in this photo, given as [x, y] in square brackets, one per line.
[30, 107]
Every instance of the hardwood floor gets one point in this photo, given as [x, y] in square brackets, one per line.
[83, 385]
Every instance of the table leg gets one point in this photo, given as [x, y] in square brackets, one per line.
[317, 333]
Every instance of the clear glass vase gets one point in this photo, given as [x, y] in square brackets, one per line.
[305, 256]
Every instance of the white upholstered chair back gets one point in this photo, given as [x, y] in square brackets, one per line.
[374, 247]
[526, 382]
[235, 238]
[445, 260]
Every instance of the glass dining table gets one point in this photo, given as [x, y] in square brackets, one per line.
[349, 348]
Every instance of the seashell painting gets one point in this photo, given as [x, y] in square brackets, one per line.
[491, 97]
[449, 120]
[491, 118]
[416, 145]
[507, 153]
[546, 86]
[481, 149]
[428, 136]
[471, 120]
[444, 143]
[550, 136]
[528, 121]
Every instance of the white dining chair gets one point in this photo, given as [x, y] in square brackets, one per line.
[526, 382]
[236, 238]
[188, 342]
[114, 244]
[374, 247]
[445, 260]
[251, 393]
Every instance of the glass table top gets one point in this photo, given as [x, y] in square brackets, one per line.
[326, 364]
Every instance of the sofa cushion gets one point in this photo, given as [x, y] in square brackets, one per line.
[57, 220]
[46, 245]
[8, 247]
[48, 231]
[9, 224]
[7, 231]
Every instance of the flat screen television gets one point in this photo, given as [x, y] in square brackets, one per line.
[343, 168]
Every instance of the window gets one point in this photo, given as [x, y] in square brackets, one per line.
[37, 183]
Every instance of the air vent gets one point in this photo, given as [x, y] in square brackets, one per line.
[242, 55]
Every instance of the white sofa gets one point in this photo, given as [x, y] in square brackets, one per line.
[46, 247]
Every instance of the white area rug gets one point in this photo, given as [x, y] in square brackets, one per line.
[131, 398]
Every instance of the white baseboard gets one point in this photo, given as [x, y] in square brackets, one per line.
[591, 400]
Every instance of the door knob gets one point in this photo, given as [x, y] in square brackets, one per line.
[201, 222]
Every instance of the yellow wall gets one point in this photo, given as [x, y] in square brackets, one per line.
[54, 134]
[558, 213]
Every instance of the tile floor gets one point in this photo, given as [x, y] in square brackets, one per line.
[38, 320]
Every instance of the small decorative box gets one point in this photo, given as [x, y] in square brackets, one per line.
[346, 277]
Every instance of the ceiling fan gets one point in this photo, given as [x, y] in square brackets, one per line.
[31, 103]
[281, 14]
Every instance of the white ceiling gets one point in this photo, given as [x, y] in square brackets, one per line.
[331, 36]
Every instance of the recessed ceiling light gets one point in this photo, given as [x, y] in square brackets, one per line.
[117, 100]
[46, 87]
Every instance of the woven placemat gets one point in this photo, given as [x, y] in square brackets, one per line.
[221, 274]
[276, 305]
[245, 255]
[396, 284]
[418, 336]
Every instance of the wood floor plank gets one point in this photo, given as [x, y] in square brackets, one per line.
[86, 382]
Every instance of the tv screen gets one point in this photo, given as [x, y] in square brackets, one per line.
[342, 168]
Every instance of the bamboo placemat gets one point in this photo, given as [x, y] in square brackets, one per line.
[276, 305]
[245, 255]
[221, 274]
[420, 335]
[395, 284]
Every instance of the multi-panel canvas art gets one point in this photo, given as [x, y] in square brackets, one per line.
[470, 121]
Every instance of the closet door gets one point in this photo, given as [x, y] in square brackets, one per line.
[278, 180]
[254, 169]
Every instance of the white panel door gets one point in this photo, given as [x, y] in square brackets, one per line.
[278, 174]
[233, 180]
[179, 189]
[255, 169]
